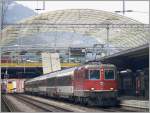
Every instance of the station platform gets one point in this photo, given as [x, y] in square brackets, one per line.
[136, 103]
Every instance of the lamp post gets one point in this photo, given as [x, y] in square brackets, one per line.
[107, 23]
[24, 69]
[17, 49]
[69, 54]
[43, 8]
[1, 24]
[107, 28]
[2, 14]
[123, 8]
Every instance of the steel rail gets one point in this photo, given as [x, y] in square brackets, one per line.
[9, 105]
[5, 104]
[107, 109]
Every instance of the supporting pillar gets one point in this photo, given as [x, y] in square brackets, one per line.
[107, 43]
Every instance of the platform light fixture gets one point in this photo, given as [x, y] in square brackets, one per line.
[126, 71]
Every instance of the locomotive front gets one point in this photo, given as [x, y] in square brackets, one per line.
[98, 84]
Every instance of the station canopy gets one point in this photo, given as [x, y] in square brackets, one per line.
[118, 31]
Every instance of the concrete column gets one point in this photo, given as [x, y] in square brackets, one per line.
[1, 11]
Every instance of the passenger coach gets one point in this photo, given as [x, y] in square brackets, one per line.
[89, 84]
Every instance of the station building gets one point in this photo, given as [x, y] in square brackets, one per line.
[79, 35]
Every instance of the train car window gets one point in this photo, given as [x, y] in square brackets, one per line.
[94, 74]
[9, 82]
[51, 81]
[109, 74]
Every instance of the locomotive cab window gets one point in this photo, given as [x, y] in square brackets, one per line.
[109, 74]
[94, 74]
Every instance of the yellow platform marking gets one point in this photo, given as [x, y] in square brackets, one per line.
[35, 64]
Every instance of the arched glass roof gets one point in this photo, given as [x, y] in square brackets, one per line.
[119, 31]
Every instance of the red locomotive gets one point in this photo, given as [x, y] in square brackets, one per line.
[89, 84]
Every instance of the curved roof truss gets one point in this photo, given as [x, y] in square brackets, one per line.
[123, 32]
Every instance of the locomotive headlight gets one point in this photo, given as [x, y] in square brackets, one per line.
[92, 88]
[101, 83]
[111, 88]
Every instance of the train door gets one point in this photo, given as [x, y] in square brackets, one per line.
[146, 73]
[141, 83]
[127, 83]
[78, 82]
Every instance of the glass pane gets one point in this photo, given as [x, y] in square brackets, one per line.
[94, 74]
[109, 74]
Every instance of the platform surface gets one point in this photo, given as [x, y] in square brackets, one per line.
[135, 103]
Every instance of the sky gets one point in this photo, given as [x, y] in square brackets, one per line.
[140, 8]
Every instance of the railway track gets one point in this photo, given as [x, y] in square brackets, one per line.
[114, 109]
[41, 105]
[91, 109]
[8, 106]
